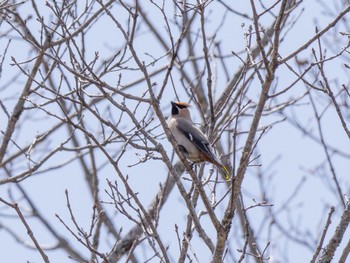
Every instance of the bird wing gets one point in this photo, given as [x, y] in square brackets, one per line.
[197, 137]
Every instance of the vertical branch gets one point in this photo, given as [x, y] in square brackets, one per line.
[18, 109]
[208, 66]
[324, 232]
[329, 250]
[247, 150]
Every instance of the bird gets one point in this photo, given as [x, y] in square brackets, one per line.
[190, 139]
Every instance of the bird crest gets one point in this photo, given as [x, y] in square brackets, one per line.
[182, 104]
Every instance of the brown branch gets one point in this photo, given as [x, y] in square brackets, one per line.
[125, 244]
[247, 150]
[29, 230]
[329, 250]
[18, 109]
[317, 36]
[324, 232]
[345, 253]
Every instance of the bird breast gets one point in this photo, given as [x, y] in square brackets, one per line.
[190, 150]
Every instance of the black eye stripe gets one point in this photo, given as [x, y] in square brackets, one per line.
[174, 110]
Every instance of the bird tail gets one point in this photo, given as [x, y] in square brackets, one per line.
[224, 171]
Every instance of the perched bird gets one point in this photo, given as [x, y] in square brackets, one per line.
[191, 140]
